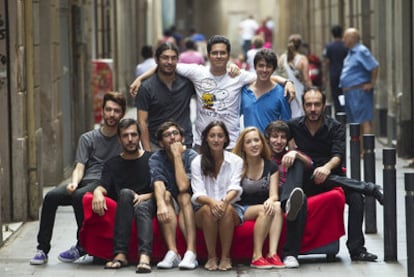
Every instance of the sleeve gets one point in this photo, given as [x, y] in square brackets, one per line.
[368, 61]
[156, 170]
[235, 179]
[338, 141]
[85, 147]
[285, 110]
[106, 177]
[197, 180]
[142, 101]
[191, 71]
[247, 77]
[190, 156]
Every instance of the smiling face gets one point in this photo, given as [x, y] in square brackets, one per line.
[129, 139]
[264, 70]
[216, 138]
[218, 56]
[252, 144]
[167, 62]
[278, 141]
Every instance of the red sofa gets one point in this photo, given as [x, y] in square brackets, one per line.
[324, 226]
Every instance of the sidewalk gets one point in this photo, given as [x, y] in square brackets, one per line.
[17, 251]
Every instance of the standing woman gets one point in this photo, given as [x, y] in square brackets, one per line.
[260, 198]
[296, 67]
[215, 182]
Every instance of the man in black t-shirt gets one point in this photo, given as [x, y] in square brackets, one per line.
[126, 179]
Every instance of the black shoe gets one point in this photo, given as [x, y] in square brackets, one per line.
[378, 195]
[294, 204]
[364, 256]
[375, 191]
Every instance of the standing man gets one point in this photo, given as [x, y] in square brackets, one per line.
[358, 79]
[247, 29]
[334, 55]
[94, 149]
[164, 96]
[322, 139]
[263, 100]
[126, 179]
[170, 176]
[218, 93]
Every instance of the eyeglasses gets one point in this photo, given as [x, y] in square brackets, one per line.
[168, 134]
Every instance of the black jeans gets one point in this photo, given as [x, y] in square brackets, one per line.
[300, 176]
[60, 197]
[125, 212]
[294, 229]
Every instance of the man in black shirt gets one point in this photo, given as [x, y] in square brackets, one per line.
[323, 139]
[126, 179]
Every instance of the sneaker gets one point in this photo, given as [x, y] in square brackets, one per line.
[170, 260]
[85, 259]
[294, 204]
[39, 258]
[261, 263]
[291, 262]
[275, 261]
[70, 255]
[364, 256]
[189, 261]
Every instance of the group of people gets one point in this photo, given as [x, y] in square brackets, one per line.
[220, 178]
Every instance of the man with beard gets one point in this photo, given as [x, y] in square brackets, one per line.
[126, 179]
[94, 149]
[164, 96]
[170, 177]
[323, 139]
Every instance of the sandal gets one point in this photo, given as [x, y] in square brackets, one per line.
[143, 268]
[116, 264]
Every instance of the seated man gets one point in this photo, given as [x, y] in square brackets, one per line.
[323, 140]
[126, 179]
[170, 177]
[94, 149]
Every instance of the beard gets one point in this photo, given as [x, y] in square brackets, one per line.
[131, 150]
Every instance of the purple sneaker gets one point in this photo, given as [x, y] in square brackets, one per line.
[40, 258]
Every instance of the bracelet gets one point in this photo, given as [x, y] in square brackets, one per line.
[287, 81]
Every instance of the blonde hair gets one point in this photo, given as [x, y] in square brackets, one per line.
[238, 148]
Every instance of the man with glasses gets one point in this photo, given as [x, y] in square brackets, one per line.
[170, 170]
[164, 96]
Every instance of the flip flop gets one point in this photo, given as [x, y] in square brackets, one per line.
[143, 268]
[116, 264]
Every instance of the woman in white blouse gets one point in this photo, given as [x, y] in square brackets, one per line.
[215, 183]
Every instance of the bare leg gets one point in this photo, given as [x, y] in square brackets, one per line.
[208, 223]
[187, 213]
[226, 230]
[275, 230]
[169, 228]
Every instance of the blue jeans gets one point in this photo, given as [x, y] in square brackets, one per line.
[125, 213]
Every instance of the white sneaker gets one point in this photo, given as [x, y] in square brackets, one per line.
[189, 261]
[85, 259]
[294, 204]
[291, 262]
[170, 260]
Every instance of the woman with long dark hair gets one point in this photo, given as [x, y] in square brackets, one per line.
[215, 183]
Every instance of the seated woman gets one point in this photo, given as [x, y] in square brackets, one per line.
[260, 198]
[215, 182]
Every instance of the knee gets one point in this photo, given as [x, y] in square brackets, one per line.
[184, 199]
[126, 194]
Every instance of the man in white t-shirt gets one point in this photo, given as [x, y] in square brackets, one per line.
[218, 94]
[247, 29]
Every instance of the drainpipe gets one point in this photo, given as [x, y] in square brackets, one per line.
[33, 186]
